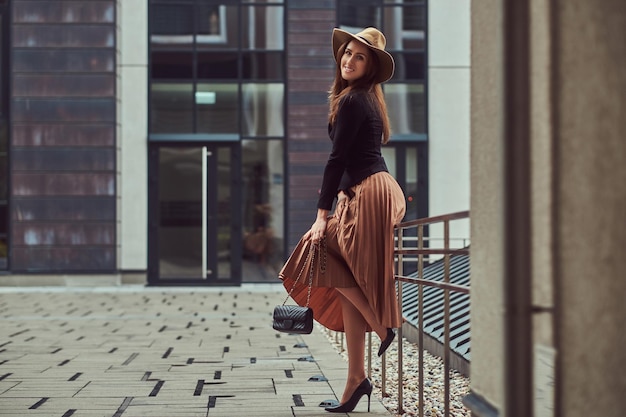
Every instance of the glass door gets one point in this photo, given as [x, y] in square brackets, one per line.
[192, 216]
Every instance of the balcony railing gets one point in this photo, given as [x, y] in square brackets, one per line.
[414, 250]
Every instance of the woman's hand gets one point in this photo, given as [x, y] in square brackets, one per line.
[318, 229]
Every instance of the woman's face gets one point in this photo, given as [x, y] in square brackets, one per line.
[354, 61]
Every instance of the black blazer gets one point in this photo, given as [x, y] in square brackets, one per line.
[357, 139]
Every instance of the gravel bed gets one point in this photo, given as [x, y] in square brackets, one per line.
[433, 380]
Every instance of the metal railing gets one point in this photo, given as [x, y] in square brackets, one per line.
[421, 250]
[417, 248]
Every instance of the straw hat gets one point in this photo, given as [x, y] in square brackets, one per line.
[375, 41]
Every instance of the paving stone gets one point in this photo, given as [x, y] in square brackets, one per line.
[134, 352]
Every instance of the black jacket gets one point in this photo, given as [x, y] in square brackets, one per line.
[357, 139]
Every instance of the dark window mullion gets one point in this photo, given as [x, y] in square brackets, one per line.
[194, 64]
[240, 69]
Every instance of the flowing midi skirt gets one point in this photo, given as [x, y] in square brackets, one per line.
[358, 252]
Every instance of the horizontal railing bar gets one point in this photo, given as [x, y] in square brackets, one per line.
[434, 219]
[415, 251]
[430, 239]
[428, 283]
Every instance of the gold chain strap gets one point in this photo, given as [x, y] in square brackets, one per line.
[323, 254]
[311, 254]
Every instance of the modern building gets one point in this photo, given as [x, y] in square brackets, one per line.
[182, 142]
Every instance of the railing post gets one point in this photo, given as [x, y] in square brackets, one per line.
[399, 336]
[446, 318]
[369, 355]
[384, 376]
[420, 318]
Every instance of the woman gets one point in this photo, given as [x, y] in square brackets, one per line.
[355, 291]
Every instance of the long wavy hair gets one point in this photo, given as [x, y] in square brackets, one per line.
[340, 88]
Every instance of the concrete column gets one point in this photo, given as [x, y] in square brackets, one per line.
[449, 112]
[577, 205]
[132, 116]
[590, 199]
[487, 205]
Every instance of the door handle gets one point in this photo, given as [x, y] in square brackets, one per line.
[205, 272]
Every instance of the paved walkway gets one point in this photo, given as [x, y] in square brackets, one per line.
[164, 352]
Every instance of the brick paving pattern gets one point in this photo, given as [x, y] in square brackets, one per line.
[161, 352]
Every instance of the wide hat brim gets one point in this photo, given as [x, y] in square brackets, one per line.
[387, 64]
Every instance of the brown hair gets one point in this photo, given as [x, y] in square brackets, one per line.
[340, 89]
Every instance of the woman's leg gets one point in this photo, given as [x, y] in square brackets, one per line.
[355, 327]
[356, 297]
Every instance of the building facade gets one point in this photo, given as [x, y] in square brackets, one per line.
[182, 142]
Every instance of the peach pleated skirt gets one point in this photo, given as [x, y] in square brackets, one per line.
[359, 252]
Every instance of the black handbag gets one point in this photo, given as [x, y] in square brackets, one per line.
[294, 318]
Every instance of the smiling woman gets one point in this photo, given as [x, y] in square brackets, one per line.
[357, 294]
[354, 61]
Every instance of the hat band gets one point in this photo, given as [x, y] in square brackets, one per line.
[368, 42]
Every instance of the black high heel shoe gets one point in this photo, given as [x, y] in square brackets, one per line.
[365, 388]
[384, 345]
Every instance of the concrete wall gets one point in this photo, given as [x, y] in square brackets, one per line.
[577, 231]
[590, 199]
[487, 222]
[448, 110]
[132, 118]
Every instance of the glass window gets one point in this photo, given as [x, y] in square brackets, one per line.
[217, 26]
[358, 14]
[263, 1]
[263, 205]
[224, 212]
[214, 65]
[4, 184]
[411, 183]
[171, 108]
[206, 43]
[172, 24]
[172, 65]
[406, 104]
[180, 212]
[217, 108]
[403, 160]
[422, 2]
[263, 66]
[262, 27]
[408, 20]
[184, 25]
[218, 70]
[409, 66]
[389, 153]
[263, 109]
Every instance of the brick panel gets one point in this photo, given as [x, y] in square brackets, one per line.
[63, 60]
[63, 234]
[63, 135]
[63, 124]
[77, 185]
[38, 159]
[64, 85]
[310, 69]
[64, 11]
[76, 259]
[65, 210]
[63, 36]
